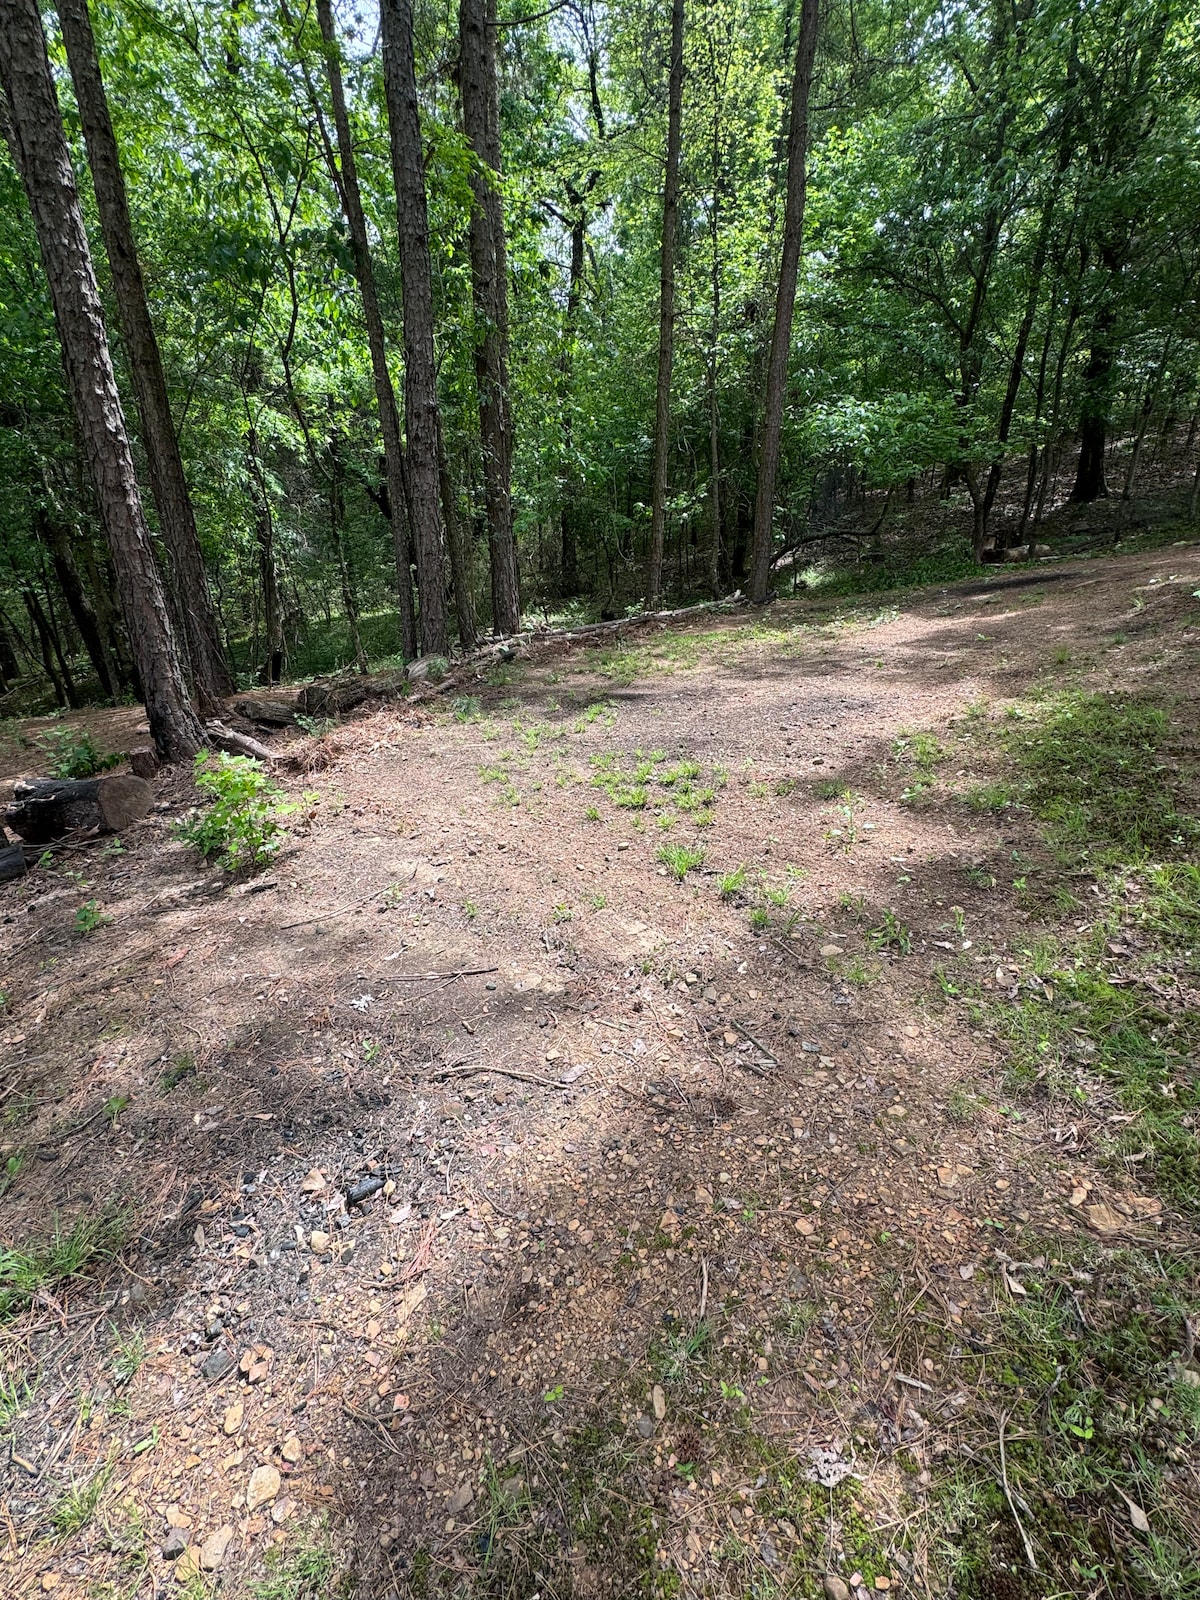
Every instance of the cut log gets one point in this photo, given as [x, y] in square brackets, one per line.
[236, 744]
[12, 863]
[46, 808]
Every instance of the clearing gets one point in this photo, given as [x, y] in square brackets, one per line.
[707, 1115]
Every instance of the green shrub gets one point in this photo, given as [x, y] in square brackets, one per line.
[73, 754]
[242, 826]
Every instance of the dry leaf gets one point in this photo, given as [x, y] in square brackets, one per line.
[1104, 1219]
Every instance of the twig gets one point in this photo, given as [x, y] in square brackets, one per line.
[703, 1287]
[376, 1423]
[433, 977]
[422, 1254]
[757, 1043]
[328, 916]
[913, 1383]
[503, 1072]
[1029, 1555]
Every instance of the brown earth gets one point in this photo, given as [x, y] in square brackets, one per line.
[608, 1110]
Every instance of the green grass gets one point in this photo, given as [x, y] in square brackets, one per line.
[312, 1571]
[77, 1505]
[680, 859]
[45, 1268]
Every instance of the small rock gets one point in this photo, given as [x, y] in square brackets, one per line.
[51, 1580]
[645, 1426]
[282, 1509]
[318, 1242]
[233, 1417]
[174, 1544]
[460, 1499]
[263, 1487]
[219, 1364]
[212, 1551]
[833, 1588]
[710, 994]
[314, 1182]
[293, 1450]
[832, 950]
[659, 1401]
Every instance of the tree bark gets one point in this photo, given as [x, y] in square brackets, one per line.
[458, 545]
[57, 540]
[489, 287]
[666, 313]
[785, 302]
[344, 172]
[189, 580]
[41, 157]
[416, 277]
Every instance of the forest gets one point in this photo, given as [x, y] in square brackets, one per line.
[422, 324]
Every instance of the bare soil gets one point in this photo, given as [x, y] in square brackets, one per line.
[608, 1108]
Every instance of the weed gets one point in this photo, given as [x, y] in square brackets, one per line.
[829, 789]
[592, 814]
[961, 1105]
[176, 1070]
[891, 934]
[597, 902]
[89, 917]
[470, 910]
[989, 797]
[130, 1353]
[759, 919]
[465, 708]
[680, 859]
[315, 727]
[307, 1572]
[242, 827]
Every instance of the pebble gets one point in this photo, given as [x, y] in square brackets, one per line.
[832, 950]
[219, 1364]
[212, 1551]
[318, 1242]
[645, 1426]
[460, 1499]
[833, 1588]
[233, 1417]
[659, 1401]
[263, 1487]
[174, 1544]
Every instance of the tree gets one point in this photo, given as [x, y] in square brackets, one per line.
[785, 301]
[343, 170]
[666, 310]
[189, 581]
[40, 153]
[420, 373]
[489, 284]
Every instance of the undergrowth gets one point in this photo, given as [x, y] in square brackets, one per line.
[26, 1272]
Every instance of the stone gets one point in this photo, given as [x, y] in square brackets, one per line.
[833, 1587]
[830, 950]
[233, 1417]
[263, 1487]
[219, 1363]
[174, 1545]
[283, 1508]
[212, 1551]
[293, 1450]
[645, 1426]
[659, 1401]
[313, 1182]
[460, 1499]
[318, 1242]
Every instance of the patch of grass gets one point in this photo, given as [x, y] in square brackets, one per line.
[77, 1505]
[732, 883]
[680, 859]
[891, 934]
[311, 1571]
[26, 1272]
[1098, 775]
[990, 797]
[466, 708]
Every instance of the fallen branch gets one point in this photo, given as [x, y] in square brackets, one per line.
[757, 1043]
[328, 916]
[503, 1072]
[1008, 1495]
[433, 977]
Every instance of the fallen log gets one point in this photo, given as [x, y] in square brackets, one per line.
[270, 711]
[236, 744]
[12, 863]
[43, 809]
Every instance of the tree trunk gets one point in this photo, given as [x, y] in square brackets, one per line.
[666, 313]
[41, 157]
[58, 542]
[489, 285]
[1090, 480]
[168, 484]
[568, 486]
[337, 515]
[264, 538]
[416, 277]
[344, 172]
[785, 301]
[459, 546]
[56, 669]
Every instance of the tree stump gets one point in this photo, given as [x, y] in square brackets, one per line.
[43, 809]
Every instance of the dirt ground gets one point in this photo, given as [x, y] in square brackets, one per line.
[449, 1149]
